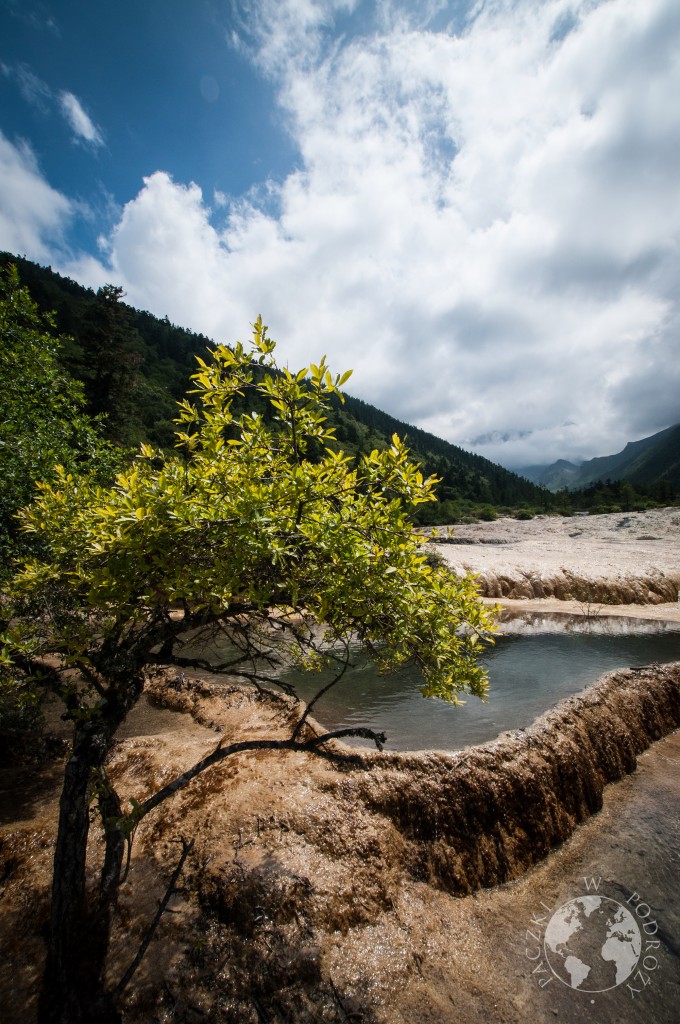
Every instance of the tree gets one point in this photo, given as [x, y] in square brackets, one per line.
[112, 361]
[42, 424]
[42, 420]
[290, 557]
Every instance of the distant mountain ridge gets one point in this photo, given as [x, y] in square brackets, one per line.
[650, 461]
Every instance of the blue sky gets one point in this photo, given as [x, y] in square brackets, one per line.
[476, 205]
[161, 88]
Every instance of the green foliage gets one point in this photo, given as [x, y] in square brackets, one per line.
[111, 362]
[618, 496]
[133, 366]
[42, 423]
[487, 513]
[20, 702]
[242, 520]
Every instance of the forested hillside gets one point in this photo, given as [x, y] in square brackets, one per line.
[651, 461]
[465, 477]
[135, 366]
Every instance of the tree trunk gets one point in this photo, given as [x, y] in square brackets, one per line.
[73, 983]
[73, 970]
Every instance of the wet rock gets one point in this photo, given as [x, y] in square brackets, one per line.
[565, 585]
[483, 817]
[246, 896]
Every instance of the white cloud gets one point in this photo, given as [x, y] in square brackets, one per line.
[485, 223]
[39, 94]
[33, 215]
[282, 34]
[82, 125]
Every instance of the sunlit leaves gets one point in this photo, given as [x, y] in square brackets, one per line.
[257, 512]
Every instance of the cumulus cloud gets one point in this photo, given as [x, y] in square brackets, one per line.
[33, 216]
[82, 125]
[484, 223]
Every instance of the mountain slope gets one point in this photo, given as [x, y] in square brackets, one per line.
[153, 363]
[556, 476]
[650, 461]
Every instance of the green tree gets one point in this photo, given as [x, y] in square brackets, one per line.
[42, 422]
[290, 557]
[109, 341]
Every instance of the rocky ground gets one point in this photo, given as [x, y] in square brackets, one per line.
[625, 561]
[364, 888]
[394, 888]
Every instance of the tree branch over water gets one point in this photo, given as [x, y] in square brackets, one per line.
[255, 528]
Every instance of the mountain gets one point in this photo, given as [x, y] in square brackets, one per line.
[554, 477]
[651, 461]
[135, 366]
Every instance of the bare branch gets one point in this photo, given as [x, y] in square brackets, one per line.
[187, 847]
[257, 677]
[92, 676]
[324, 689]
[220, 752]
[203, 663]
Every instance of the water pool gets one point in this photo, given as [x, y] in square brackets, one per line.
[531, 668]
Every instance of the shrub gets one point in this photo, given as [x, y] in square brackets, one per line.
[487, 513]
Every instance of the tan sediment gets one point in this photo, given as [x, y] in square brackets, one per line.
[395, 888]
[329, 884]
[662, 613]
[329, 887]
[483, 817]
[616, 559]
